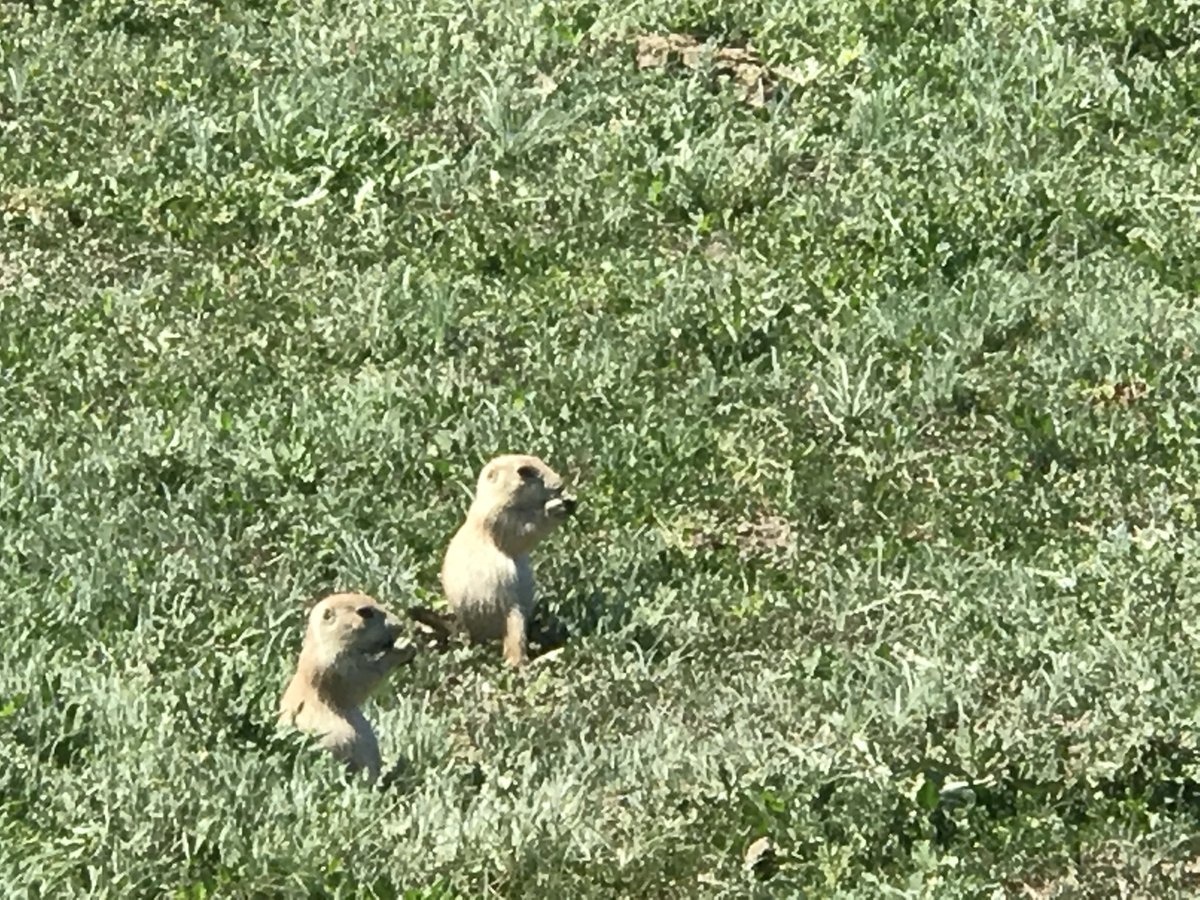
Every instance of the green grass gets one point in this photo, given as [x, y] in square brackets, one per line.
[276, 278]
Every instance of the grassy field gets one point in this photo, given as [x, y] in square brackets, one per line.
[879, 390]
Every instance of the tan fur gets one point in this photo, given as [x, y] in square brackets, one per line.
[349, 649]
[486, 574]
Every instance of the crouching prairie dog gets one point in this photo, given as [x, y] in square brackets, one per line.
[486, 573]
[349, 649]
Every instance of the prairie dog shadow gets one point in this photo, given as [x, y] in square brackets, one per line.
[439, 631]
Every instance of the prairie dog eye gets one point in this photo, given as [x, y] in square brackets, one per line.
[529, 473]
[366, 612]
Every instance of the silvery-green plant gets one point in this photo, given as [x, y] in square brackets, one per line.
[880, 400]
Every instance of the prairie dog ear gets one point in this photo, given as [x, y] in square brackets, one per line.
[329, 613]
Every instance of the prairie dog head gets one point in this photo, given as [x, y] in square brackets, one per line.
[520, 500]
[351, 640]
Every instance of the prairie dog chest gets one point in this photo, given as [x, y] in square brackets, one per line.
[337, 732]
[485, 577]
[365, 750]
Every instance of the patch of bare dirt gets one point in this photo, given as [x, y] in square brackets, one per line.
[765, 537]
[756, 81]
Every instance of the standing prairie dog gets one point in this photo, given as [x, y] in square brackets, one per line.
[349, 649]
[486, 574]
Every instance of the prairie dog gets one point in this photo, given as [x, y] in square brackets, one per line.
[486, 574]
[349, 649]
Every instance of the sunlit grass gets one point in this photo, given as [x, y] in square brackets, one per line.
[880, 400]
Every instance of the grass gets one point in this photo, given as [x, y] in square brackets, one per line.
[880, 400]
